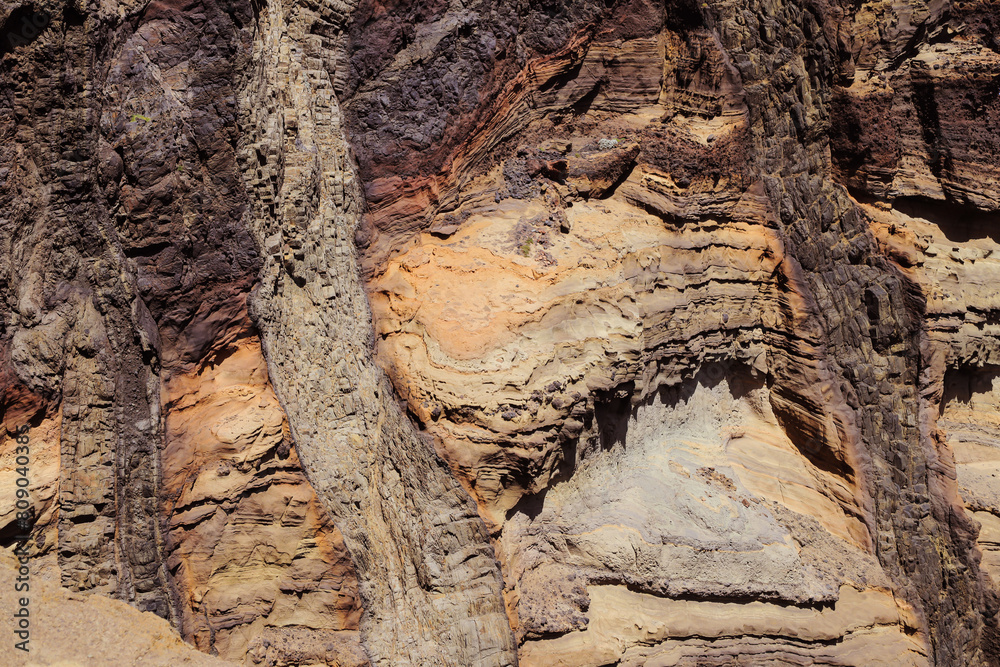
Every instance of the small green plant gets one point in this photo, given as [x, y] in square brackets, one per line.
[526, 247]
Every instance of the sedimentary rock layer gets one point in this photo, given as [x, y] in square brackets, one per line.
[128, 351]
[611, 302]
[254, 555]
[489, 332]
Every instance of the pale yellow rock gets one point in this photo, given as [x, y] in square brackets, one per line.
[623, 621]
[72, 629]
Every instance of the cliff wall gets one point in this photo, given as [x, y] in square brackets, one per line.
[495, 333]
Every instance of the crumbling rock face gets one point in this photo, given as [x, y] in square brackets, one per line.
[254, 553]
[517, 307]
[494, 333]
[126, 268]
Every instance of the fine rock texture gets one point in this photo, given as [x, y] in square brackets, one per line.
[73, 630]
[492, 332]
[429, 582]
[249, 544]
[655, 337]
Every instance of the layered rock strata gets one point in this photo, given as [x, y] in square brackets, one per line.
[628, 310]
[253, 553]
[604, 332]
[162, 470]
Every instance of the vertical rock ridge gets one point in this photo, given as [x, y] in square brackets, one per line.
[428, 578]
[874, 325]
[78, 304]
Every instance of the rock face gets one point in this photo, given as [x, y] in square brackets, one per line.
[429, 582]
[70, 629]
[493, 333]
[162, 470]
[701, 369]
[254, 554]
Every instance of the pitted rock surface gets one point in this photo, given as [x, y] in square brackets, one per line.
[473, 332]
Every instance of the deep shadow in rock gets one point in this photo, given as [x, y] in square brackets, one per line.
[960, 223]
[962, 384]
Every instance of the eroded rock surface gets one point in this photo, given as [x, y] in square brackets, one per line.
[256, 558]
[70, 629]
[128, 351]
[492, 332]
[661, 344]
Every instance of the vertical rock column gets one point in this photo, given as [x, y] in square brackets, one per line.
[78, 330]
[429, 581]
[787, 56]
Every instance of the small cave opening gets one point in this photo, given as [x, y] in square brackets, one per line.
[10, 534]
[969, 388]
[960, 223]
[73, 18]
[711, 388]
